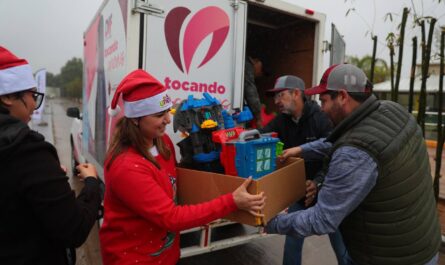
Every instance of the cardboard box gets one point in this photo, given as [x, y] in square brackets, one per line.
[282, 187]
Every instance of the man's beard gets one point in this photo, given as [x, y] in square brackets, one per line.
[290, 110]
[337, 114]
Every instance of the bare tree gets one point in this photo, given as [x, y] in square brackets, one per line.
[399, 62]
[374, 52]
[440, 128]
[426, 55]
[412, 76]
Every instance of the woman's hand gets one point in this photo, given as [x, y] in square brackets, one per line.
[248, 202]
[86, 170]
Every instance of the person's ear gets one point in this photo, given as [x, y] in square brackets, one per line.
[6, 100]
[343, 96]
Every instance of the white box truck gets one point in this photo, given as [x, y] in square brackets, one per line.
[193, 47]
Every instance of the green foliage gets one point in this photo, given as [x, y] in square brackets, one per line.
[52, 80]
[74, 88]
[381, 70]
[71, 70]
[69, 80]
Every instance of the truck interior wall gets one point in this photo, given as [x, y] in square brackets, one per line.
[286, 46]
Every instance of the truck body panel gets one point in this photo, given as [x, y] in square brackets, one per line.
[192, 47]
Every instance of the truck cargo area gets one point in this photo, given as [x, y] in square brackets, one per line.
[285, 43]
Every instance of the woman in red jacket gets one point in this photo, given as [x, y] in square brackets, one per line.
[142, 221]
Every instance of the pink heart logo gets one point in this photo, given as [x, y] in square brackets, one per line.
[209, 20]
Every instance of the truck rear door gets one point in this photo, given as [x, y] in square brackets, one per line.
[197, 46]
[338, 47]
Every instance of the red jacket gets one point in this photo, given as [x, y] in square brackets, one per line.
[142, 222]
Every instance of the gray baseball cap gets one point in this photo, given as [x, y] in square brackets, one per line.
[341, 76]
[287, 82]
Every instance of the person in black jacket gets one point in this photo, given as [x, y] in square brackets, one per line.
[301, 121]
[253, 69]
[40, 217]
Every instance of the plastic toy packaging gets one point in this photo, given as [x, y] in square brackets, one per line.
[215, 140]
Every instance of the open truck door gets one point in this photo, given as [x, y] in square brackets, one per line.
[337, 47]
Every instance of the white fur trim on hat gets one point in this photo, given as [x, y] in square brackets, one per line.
[114, 112]
[147, 106]
[15, 79]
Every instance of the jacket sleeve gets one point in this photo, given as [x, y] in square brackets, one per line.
[64, 219]
[272, 126]
[135, 185]
[250, 91]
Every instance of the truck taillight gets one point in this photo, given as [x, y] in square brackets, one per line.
[309, 11]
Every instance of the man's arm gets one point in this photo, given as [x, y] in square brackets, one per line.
[315, 150]
[351, 176]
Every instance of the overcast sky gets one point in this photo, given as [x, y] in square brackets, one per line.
[49, 32]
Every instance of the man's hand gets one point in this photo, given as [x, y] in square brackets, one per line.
[294, 151]
[311, 192]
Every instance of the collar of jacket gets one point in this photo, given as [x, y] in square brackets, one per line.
[309, 108]
[12, 132]
[3, 110]
[368, 106]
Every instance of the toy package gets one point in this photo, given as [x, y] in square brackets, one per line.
[215, 141]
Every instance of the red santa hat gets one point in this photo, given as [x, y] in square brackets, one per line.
[15, 74]
[142, 94]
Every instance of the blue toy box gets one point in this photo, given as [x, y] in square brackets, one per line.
[255, 154]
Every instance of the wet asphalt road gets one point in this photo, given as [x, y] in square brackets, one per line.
[267, 251]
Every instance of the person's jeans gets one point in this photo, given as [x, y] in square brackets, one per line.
[293, 247]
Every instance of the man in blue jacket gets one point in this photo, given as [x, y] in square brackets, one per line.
[377, 186]
[301, 121]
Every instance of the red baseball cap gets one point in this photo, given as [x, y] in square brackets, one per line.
[341, 76]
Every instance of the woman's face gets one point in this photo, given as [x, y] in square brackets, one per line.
[153, 126]
[23, 106]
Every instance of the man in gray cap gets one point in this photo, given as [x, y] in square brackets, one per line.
[299, 122]
[377, 186]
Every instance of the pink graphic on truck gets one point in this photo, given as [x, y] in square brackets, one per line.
[209, 20]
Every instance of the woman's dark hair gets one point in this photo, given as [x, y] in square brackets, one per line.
[126, 135]
[15, 95]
